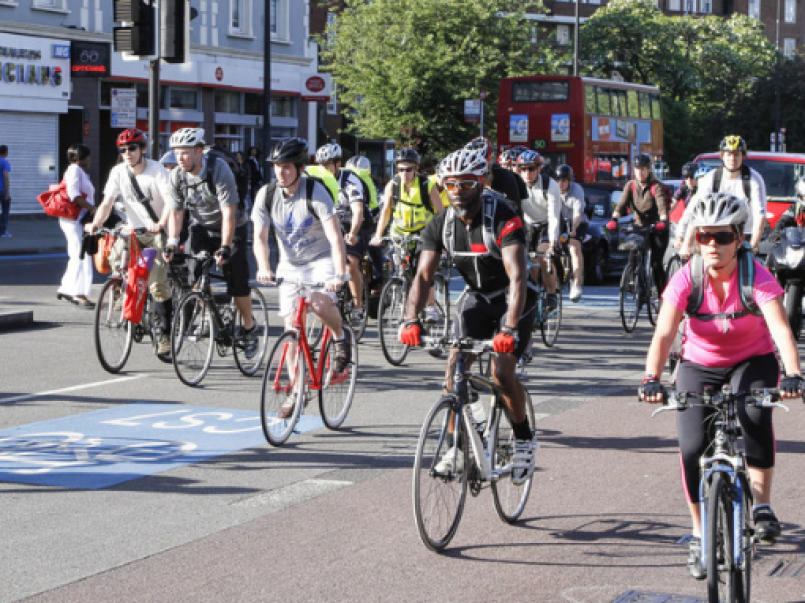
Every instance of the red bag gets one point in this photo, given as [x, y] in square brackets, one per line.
[57, 203]
[102, 257]
[137, 284]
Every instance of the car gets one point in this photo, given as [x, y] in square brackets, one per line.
[601, 255]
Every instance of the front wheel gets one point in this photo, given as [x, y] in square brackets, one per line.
[440, 475]
[357, 325]
[390, 319]
[112, 331]
[250, 358]
[653, 300]
[630, 292]
[793, 307]
[510, 498]
[337, 389]
[191, 339]
[282, 397]
[719, 550]
[551, 321]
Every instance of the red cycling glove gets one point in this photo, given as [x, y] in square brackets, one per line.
[660, 226]
[503, 343]
[411, 334]
[612, 225]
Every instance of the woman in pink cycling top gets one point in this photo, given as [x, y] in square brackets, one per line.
[725, 344]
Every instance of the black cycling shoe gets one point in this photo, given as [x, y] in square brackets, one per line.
[551, 302]
[695, 567]
[767, 527]
[343, 352]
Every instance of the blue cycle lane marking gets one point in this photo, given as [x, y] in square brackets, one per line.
[100, 449]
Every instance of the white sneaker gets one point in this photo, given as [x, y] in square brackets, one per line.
[575, 293]
[523, 462]
[445, 464]
[432, 314]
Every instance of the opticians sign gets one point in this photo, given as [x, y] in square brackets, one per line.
[34, 74]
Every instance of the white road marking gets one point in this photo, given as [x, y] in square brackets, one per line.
[70, 389]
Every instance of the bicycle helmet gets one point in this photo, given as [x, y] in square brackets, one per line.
[187, 137]
[481, 144]
[529, 157]
[328, 152]
[689, 169]
[359, 162]
[406, 154]
[290, 150]
[168, 158]
[465, 162]
[719, 209]
[732, 143]
[131, 136]
[564, 172]
[702, 171]
[642, 160]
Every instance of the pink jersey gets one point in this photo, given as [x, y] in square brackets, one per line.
[721, 342]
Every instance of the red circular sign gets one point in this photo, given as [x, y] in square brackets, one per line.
[315, 84]
[219, 74]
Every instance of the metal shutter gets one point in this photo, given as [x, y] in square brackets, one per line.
[33, 141]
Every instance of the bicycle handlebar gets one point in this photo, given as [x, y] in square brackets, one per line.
[759, 398]
[465, 344]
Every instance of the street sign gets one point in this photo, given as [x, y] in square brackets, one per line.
[124, 107]
[472, 111]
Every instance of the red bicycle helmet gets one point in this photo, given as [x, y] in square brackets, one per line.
[131, 136]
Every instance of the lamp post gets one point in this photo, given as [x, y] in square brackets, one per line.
[266, 138]
[777, 77]
[576, 42]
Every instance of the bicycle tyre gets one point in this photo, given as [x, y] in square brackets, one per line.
[314, 329]
[359, 326]
[793, 307]
[439, 499]
[192, 343]
[549, 326]
[673, 266]
[282, 380]
[746, 555]
[337, 390]
[629, 298]
[390, 318]
[112, 332]
[442, 299]
[510, 499]
[250, 366]
[652, 299]
[721, 572]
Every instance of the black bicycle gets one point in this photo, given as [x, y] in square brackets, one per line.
[638, 286]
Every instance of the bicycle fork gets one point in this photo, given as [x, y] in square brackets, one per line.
[736, 490]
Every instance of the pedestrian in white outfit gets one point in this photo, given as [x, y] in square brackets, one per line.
[76, 284]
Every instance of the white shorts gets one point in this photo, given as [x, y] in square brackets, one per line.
[319, 271]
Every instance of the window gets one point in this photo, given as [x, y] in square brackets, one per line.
[283, 106]
[790, 11]
[182, 98]
[278, 19]
[589, 99]
[227, 102]
[229, 137]
[593, 1]
[754, 9]
[332, 104]
[240, 19]
[674, 4]
[533, 92]
[645, 105]
[252, 103]
[707, 7]
[57, 5]
[603, 101]
[563, 34]
[789, 47]
[655, 107]
[631, 101]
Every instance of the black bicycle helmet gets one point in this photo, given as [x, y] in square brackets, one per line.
[564, 172]
[732, 143]
[406, 154]
[689, 169]
[642, 160]
[291, 150]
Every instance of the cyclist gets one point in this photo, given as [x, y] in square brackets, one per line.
[795, 214]
[730, 346]
[574, 221]
[411, 200]
[738, 179]
[205, 187]
[682, 225]
[646, 197]
[543, 211]
[138, 182]
[497, 301]
[310, 243]
[352, 207]
[362, 167]
[686, 190]
[506, 182]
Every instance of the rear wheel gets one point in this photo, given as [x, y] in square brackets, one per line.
[596, 268]
[282, 398]
[793, 307]
[551, 321]
[629, 298]
[673, 266]
[191, 339]
[390, 319]
[442, 295]
[721, 571]
[745, 555]
[112, 331]
[358, 325]
[337, 389]
[249, 366]
[653, 301]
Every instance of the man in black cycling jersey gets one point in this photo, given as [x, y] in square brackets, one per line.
[485, 240]
[500, 179]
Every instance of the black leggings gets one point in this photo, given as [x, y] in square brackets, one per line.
[694, 425]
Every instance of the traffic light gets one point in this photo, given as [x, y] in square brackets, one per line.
[174, 30]
[138, 34]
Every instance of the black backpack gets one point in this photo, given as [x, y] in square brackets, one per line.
[271, 189]
[746, 179]
[424, 194]
[215, 153]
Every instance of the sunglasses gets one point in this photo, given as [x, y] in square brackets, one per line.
[721, 238]
[405, 169]
[131, 148]
[529, 168]
[461, 185]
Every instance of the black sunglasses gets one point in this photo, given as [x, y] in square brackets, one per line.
[405, 169]
[131, 148]
[721, 238]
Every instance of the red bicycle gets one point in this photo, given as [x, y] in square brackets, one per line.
[293, 374]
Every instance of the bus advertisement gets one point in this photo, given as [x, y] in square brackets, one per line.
[595, 126]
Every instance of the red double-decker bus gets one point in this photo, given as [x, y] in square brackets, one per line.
[595, 126]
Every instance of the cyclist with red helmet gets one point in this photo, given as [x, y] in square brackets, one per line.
[138, 182]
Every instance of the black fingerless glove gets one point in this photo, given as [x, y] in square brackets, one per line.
[792, 384]
[652, 387]
[224, 253]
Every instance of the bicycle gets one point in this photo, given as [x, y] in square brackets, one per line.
[292, 375]
[205, 320]
[726, 496]
[113, 334]
[481, 453]
[394, 297]
[548, 321]
[637, 286]
[346, 302]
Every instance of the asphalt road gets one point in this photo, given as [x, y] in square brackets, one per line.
[328, 517]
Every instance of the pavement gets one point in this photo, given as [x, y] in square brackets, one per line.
[31, 234]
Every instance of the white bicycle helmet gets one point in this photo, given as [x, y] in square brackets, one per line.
[359, 162]
[465, 162]
[187, 137]
[719, 209]
[328, 152]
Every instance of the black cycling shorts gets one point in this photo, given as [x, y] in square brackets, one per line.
[358, 250]
[236, 270]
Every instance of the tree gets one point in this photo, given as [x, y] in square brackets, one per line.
[404, 67]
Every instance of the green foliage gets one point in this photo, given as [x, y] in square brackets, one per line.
[404, 67]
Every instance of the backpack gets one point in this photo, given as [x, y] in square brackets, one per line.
[271, 189]
[490, 201]
[369, 189]
[746, 286]
[746, 179]
[239, 171]
[654, 185]
[424, 193]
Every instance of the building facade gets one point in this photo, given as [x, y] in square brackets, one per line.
[60, 78]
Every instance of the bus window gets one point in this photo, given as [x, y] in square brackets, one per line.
[603, 101]
[614, 100]
[589, 99]
[535, 92]
[634, 108]
[655, 107]
[622, 102]
[645, 105]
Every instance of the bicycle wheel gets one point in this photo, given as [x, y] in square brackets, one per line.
[439, 496]
[551, 321]
[249, 366]
[313, 329]
[674, 265]
[337, 389]
[191, 339]
[721, 571]
[442, 298]
[284, 384]
[793, 307]
[390, 318]
[745, 555]
[510, 498]
[653, 299]
[358, 326]
[112, 331]
[629, 298]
